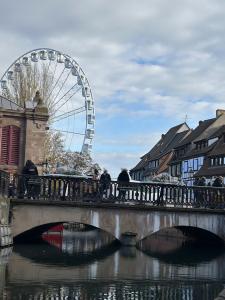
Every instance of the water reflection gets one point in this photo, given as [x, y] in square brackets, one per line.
[65, 271]
[51, 255]
[4, 257]
[181, 251]
[129, 290]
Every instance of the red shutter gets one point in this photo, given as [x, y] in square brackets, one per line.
[14, 137]
[10, 139]
[5, 145]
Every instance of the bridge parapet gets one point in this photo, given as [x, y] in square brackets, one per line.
[79, 189]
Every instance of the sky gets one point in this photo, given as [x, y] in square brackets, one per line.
[151, 64]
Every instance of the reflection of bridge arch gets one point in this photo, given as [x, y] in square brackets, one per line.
[56, 257]
[185, 245]
[115, 218]
[156, 273]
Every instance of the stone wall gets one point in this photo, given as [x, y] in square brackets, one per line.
[35, 138]
[5, 228]
[4, 210]
[33, 126]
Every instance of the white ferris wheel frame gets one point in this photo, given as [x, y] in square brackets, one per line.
[47, 53]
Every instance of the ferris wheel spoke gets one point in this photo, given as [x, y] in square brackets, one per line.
[57, 108]
[69, 112]
[67, 131]
[65, 94]
[47, 71]
[57, 81]
[52, 101]
[67, 115]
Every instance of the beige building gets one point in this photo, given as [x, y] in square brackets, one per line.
[22, 134]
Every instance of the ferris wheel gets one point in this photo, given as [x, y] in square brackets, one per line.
[64, 88]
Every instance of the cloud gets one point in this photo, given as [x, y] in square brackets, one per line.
[158, 60]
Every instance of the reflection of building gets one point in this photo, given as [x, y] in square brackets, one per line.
[4, 257]
[54, 236]
[77, 240]
[22, 134]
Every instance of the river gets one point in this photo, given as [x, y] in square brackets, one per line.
[89, 265]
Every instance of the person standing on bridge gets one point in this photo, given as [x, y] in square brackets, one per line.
[31, 184]
[123, 180]
[105, 180]
[218, 182]
[218, 195]
[201, 193]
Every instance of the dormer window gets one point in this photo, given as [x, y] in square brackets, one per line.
[153, 163]
[201, 144]
[217, 161]
[212, 141]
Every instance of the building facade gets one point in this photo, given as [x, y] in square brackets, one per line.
[202, 152]
[22, 135]
[157, 160]
[186, 153]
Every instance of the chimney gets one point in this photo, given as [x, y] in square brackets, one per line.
[220, 112]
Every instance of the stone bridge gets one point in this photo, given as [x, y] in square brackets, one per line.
[31, 217]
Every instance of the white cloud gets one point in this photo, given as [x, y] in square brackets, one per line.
[169, 56]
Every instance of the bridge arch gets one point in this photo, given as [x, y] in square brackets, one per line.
[186, 232]
[34, 233]
[115, 219]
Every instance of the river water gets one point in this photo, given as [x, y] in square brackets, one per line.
[88, 265]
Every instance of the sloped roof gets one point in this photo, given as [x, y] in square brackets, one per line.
[140, 165]
[218, 132]
[167, 142]
[212, 129]
[197, 131]
[206, 130]
[219, 148]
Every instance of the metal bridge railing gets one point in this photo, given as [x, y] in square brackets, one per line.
[85, 190]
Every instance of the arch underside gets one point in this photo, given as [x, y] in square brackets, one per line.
[117, 221]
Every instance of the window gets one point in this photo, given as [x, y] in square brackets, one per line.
[217, 161]
[195, 164]
[185, 166]
[10, 137]
[211, 141]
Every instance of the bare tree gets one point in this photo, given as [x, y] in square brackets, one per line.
[71, 162]
[26, 82]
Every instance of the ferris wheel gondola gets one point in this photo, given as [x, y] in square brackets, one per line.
[64, 88]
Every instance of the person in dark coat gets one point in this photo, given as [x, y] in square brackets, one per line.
[31, 185]
[218, 195]
[123, 180]
[105, 180]
[218, 182]
[201, 194]
[30, 169]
